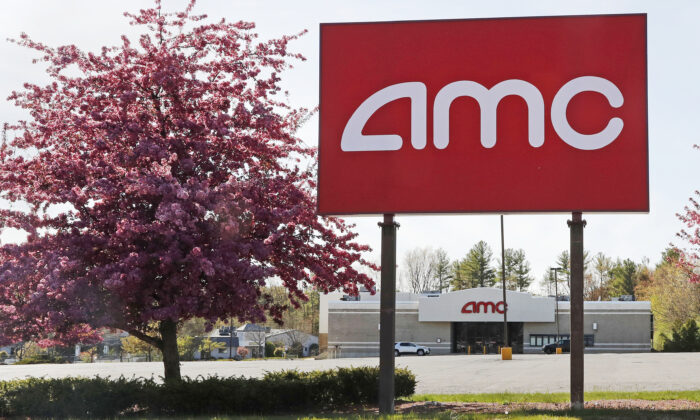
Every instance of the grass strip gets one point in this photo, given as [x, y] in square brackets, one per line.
[557, 397]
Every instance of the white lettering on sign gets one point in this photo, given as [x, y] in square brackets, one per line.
[488, 100]
[354, 141]
[561, 102]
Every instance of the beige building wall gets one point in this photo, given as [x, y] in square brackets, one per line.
[353, 326]
[619, 326]
[355, 332]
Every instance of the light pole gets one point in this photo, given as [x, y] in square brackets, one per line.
[556, 294]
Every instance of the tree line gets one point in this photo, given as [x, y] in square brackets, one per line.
[425, 269]
[603, 277]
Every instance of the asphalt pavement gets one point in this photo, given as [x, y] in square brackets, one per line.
[439, 374]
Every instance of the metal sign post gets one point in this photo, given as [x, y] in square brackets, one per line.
[576, 226]
[387, 314]
[503, 280]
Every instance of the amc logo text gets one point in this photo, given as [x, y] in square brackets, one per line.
[477, 307]
[354, 141]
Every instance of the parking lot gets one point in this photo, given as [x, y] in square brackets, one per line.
[441, 374]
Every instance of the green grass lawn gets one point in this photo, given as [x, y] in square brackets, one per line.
[504, 398]
[507, 397]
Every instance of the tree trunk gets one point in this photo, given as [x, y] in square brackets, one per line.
[171, 358]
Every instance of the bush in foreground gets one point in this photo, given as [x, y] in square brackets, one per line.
[287, 391]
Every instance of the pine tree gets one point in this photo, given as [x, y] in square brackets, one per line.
[475, 269]
[442, 269]
[521, 272]
[624, 278]
[510, 265]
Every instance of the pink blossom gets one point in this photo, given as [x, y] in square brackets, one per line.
[174, 152]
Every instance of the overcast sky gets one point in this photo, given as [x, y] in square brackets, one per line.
[674, 105]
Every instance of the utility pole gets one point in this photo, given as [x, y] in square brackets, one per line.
[556, 294]
[503, 282]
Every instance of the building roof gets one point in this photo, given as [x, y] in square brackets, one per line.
[277, 331]
[251, 327]
[226, 340]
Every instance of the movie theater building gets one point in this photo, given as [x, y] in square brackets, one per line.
[471, 320]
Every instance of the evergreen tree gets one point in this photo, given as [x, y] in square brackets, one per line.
[683, 339]
[521, 272]
[624, 277]
[510, 268]
[460, 279]
[442, 269]
[475, 269]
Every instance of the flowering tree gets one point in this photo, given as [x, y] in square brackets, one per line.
[184, 183]
[690, 258]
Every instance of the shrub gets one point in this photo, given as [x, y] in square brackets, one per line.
[3, 355]
[279, 352]
[287, 391]
[313, 349]
[683, 339]
[40, 359]
[242, 351]
[296, 349]
[269, 349]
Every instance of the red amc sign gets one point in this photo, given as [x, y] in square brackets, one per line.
[473, 307]
[543, 114]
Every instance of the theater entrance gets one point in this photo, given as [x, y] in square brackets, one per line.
[477, 337]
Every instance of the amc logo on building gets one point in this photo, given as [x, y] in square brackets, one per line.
[473, 307]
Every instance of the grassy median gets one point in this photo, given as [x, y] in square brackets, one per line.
[526, 414]
[559, 397]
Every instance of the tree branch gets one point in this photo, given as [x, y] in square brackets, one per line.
[154, 341]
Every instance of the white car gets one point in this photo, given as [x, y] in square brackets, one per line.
[410, 348]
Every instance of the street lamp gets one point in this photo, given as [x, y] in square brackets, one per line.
[556, 294]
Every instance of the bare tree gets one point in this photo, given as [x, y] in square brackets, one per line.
[603, 267]
[296, 341]
[547, 283]
[258, 337]
[419, 269]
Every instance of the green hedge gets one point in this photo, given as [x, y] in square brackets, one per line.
[276, 392]
[41, 359]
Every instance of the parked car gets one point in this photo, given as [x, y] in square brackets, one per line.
[550, 348]
[410, 348]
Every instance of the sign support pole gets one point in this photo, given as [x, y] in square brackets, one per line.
[503, 282]
[576, 226]
[387, 315]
